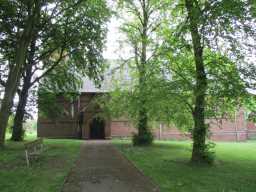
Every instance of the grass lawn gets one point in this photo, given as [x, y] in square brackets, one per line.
[45, 175]
[166, 162]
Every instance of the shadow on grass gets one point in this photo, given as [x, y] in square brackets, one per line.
[173, 145]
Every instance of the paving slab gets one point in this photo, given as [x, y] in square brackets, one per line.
[102, 168]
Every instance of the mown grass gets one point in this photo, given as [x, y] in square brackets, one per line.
[47, 174]
[166, 162]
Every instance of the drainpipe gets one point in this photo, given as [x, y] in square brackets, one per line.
[160, 131]
[78, 118]
[78, 104]
[245, 123]
[72, 109]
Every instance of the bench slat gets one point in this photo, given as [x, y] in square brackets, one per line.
[33, 148]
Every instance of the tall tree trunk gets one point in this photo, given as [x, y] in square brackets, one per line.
[143, 119]
[200, 130]
[16, 70]
[17, 131]
[11, 87]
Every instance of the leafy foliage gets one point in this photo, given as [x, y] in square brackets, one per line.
[193, 64]
[61, 31]
[62, 81]
[145, 139]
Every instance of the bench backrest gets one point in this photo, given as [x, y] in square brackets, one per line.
[34, 145]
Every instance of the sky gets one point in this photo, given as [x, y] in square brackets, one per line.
[111, 47]
[113, 35]
[114, 48]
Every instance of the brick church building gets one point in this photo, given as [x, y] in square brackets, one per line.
[81, 121]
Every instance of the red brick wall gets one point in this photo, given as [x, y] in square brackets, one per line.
[122, 129]
[64, 126]
[57, 129]
[251, 130]
[67, 127]
[224, 130]
[229, 129]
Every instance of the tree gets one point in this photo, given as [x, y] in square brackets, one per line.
[144, 18]
[61, 81]
[24, 34]
[17, 132]
[73, 29]
[210, 22]
[199, 132]
[198, 65]
[82, 47]
[252, 4]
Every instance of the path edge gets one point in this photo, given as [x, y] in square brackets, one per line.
[72, 167]
[120, 153]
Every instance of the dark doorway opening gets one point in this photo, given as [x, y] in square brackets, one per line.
[97, 129]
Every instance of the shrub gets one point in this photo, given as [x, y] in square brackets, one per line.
[209, 153]
[145, 139]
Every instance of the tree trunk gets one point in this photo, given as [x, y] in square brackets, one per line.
[15, 72]
[11, 88]
[143, 119]
[200, 130]
[17, 131]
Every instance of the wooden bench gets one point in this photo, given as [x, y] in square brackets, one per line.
[33, 149]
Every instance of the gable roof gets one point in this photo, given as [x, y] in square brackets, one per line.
[90, 87]
[111, 73]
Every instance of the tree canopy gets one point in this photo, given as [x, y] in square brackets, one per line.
[39, 35]
[192, 71]
[188, 60]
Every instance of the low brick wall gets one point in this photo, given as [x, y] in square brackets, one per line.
[170, 133]
[229, 136]
[251, 130]
[57, 129]
[251, 134]
[122, 129]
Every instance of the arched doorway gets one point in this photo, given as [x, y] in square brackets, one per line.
[97, 128]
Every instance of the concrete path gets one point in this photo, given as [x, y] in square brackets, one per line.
[101, 168]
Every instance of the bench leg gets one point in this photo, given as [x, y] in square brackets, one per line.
[27, 158]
